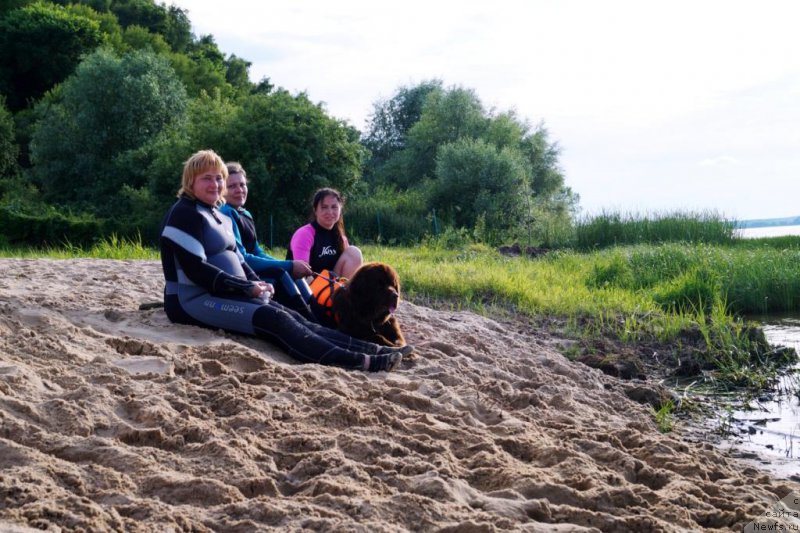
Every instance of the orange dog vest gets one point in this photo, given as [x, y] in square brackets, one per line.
[323, 287]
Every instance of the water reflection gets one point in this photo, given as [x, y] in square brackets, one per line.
[770, 425]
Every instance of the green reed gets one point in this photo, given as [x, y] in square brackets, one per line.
[615, 229]
[111, 247]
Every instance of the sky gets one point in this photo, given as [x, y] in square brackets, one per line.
[656, 106]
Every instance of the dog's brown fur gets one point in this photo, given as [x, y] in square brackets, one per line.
[364, 306]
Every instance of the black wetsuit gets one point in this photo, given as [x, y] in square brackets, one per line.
[208, 283]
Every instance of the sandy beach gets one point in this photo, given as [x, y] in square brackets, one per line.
[114, 419]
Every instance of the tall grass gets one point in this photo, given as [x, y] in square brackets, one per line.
[389, 216]
[615, 229]
[784, 242]
[751, 280]
[112, 247]
[671, 293]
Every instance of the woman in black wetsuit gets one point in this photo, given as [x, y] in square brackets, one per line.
[209, 284]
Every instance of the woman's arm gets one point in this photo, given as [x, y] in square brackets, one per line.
[302, 242]
[260, 260]
[210, 277]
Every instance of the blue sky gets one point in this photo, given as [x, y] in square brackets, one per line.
[656, 106]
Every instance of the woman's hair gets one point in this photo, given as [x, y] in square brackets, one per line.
[320, 195]
[234, 167]
[200, 162]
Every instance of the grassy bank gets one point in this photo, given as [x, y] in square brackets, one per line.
[687, 299]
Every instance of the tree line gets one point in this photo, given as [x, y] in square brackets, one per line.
[102, 100]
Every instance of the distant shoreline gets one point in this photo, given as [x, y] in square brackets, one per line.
[768, 222]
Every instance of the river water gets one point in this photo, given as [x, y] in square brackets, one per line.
[767, 428]
[769, 231]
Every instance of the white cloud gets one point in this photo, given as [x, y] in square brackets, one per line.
[719, 161]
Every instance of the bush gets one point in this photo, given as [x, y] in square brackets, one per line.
[49, 228]
[388, 216]
[9, 150]
[475, 179]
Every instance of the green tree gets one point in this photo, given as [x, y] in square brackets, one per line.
[475, 179]
[209, 121]
[237, 73]
[391, 120]
[40, 45]
[96, 133]
[100, 6]
[172, 23]
[139, 38]
[9, 150]
[290, 147]
[107, 22]
[206, 48]
[264, 86]
[546, 176]
[447, 116]
[202, 68]
[405, 133]
[417, 137]
[10, 5]
[505, 129]
[178, 29]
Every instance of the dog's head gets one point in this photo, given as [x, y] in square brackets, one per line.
[374, 290]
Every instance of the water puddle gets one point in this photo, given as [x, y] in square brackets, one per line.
[767, 429]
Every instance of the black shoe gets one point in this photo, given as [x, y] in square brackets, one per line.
[385, 361]
[403, 350]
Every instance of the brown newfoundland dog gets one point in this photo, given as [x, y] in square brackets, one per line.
[364, 307]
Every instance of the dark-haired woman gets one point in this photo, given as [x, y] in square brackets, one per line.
[322, 243]
[209, 284]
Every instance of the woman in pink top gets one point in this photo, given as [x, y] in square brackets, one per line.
[322, 243]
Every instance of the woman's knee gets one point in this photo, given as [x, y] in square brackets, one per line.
[272, 316]
[349, 262]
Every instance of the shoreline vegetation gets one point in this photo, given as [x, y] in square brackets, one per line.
[662, 295]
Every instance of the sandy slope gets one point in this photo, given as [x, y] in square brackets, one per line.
[112, 418]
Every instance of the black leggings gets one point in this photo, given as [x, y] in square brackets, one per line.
[308, 341]
[302, 339]
[288, 294]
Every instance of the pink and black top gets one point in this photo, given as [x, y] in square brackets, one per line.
[316, 245]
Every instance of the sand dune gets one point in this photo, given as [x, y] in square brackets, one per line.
[112, 418]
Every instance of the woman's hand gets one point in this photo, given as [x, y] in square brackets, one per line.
[262, 290]
[300, 269]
